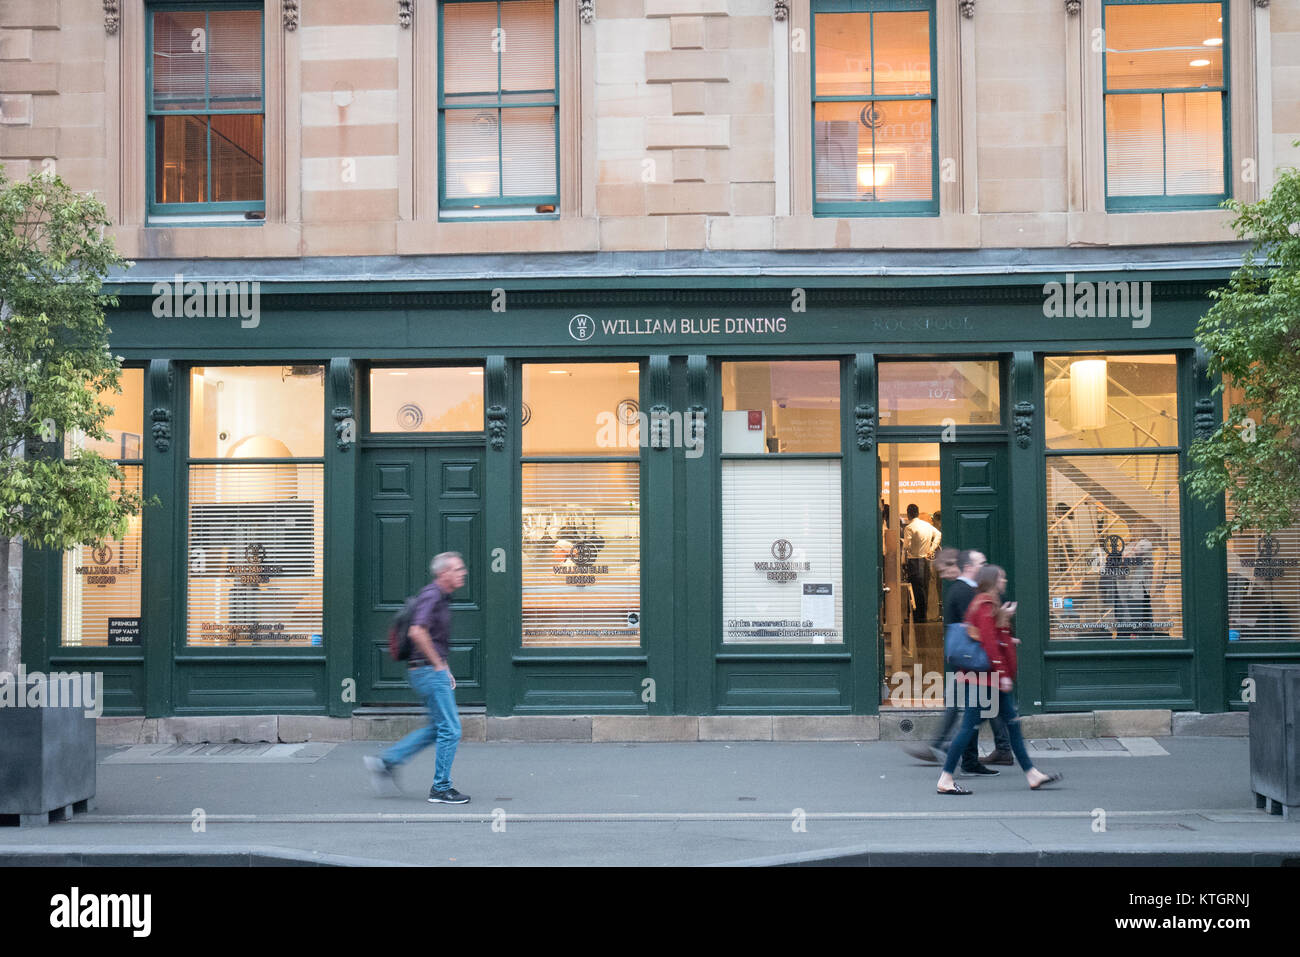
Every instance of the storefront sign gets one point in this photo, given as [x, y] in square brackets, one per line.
[584, 328]
[1269, 565]
[123, 631]
[103, 572]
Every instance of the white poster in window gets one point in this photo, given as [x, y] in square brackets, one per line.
[818, 606]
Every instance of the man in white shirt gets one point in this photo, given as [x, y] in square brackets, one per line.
[920, 543]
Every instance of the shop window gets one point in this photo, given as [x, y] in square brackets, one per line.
[940, 393]
[255, 528]
[426, 400]
[1166, 100]
[1111, 401]
[581, 520]
[206, 110]
[1114, 539]
[875, 110]
[101, 583]
[782, 551]
[498, 108]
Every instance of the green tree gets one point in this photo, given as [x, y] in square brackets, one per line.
[54, 359]
[1252, 335]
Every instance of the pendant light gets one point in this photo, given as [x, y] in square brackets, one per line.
[1088, 393]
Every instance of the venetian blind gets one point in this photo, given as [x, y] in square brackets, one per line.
[1264, 583]
[101, 585]
[781, 551]
[255, 554]
[581, 554]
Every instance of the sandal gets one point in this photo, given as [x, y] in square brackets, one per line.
[955, 789]
[1050, 779]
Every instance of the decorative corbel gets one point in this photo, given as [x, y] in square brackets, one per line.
[112, 17]
[781, 9]
[1261, 3]
[864, 426]
[967, 8]
[497, 425]
[586, 10]
[1072, 7]
[289, 8]
[1022, 421]
[404, 11]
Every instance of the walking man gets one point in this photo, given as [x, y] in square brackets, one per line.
[430, 675]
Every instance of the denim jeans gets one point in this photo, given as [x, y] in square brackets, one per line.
[971, 756]
[970, 723]
[443, 729]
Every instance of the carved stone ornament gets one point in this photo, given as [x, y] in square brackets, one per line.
[967, 8]
[1261, 3]
[781, 9]
[659, 426]
[1072, 7]
[404, 13]
[112, 17]
[497, 416]
[864, 425]
[587, 10]
[290, 10]
[1022, 421]
[697, 414]
[345, 426]
[1203, 418]
[162, 429]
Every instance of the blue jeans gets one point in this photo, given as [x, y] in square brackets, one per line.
[443, 728]
[971, 756]
[970, 724]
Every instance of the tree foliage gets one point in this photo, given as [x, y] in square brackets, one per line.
[54, 359]
[1252, 335]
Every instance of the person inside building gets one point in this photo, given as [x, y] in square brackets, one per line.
[920, 542]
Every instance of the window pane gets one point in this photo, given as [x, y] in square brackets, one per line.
[1264, 584]
[528, 152]
[901, 168]
[781, 406]
[1110, 401]
[843, 54]
[582, 408]
[936, 393]
[581, 554]
[101, 586]
[1194, 143]
[251, 412]
[178, 69]
[426, 400]
[255, 555]
[1134, 145]
[902, 53]
[237, 158]
[781, 552]
[842, 148]
[125, 424]
[470, 154]
[180, 159]
[528, 56]
[1156, 46]
[235, 59]
[469, 55]
[1114, 548]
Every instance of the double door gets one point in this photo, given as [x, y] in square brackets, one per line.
[414, 504]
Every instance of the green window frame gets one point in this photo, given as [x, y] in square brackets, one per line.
[1164, 200]
[870, 206]
[500, 102]
[230, 212]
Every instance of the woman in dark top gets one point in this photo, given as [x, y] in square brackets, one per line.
[988, 620]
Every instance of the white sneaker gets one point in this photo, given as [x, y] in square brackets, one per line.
[382, 777]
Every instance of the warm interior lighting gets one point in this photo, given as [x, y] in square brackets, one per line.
[1088, 393]
[872, 175]
[396, 373]
[474, 371]
[477, 184]
[558, 371]
[1213, 42]
[1199, 63]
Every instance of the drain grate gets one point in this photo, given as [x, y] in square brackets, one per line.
[220, 753]
[1094, 748]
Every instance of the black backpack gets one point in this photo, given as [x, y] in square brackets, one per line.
[399, 632]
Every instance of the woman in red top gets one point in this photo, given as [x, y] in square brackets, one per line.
[989, 620]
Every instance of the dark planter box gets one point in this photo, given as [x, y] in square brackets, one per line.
[47, 761]
[1275, 738]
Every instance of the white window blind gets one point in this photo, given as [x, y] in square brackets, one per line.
[581, 554]
[255, 554]
[781, 552]
[101, 585]
[1264, 584]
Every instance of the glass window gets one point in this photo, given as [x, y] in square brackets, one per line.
[124, 424]
[255, 412]
[1116, 402]
[426, 400]
[874, 108]
[940, 393]
[581, 408]
[581, 554]
[206, 111]
[499, 107]
[789, 406]
[1166, 104]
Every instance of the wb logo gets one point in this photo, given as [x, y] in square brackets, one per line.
[782, 549]
[582, 327]
[1268, 547]
[1114, 545]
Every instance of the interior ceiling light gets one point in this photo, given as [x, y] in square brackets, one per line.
[1199, 63]
[1213, 42]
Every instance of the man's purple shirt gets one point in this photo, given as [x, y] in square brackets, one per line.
[432, 612]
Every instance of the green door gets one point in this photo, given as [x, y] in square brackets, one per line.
[415, 503]
[974, 494]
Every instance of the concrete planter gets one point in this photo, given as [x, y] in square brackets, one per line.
[1275, 738]
[47, 759]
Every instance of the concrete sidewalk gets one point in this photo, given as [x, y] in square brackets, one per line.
[694, 803]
